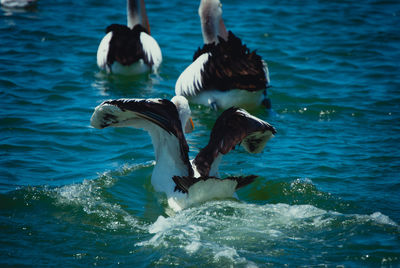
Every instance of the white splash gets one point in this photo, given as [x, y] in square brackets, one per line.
[223, 231]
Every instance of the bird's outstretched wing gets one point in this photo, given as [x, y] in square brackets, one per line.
[191, 82]
[234, 126]
[152, 115]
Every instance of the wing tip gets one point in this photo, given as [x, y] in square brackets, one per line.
[272, 129]
[243, 181]
[102, 116]
[181, 183]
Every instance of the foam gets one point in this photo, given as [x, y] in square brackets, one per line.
[228, 253]
[382, 219]
[193, 247]
[223, 230]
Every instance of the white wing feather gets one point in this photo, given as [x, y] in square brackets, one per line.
[102, 51]
[151, 49]
[266, 70]
[107, 114]
[191, 81]
[111, 115]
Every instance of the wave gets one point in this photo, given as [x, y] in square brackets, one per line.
[219, 232]
[226, 232]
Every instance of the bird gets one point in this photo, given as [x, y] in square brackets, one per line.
[130, 49]
[224, 72]
[187, 182]
[18, 3]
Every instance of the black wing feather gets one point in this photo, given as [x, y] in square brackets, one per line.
[185, 182]
[232, 66]
[230, 129]
[125, 46]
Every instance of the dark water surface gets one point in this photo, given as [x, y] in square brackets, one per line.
[329, 185]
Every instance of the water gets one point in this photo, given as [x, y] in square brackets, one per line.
[328, 186]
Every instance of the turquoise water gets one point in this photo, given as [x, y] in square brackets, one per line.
[329, 182]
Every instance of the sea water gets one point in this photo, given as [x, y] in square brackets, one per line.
[329, 182]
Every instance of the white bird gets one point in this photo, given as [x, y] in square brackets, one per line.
[18, 3]
[186, 182]
[224, 72]
[130, 50]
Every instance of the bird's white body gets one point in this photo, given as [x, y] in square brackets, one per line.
[225, 99]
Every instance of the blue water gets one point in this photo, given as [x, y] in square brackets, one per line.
[328, 192]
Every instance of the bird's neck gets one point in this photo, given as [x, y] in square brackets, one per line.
[168, 163]
[211, 30]
[212, 24]
[136, 14]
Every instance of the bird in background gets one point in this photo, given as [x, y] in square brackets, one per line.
[130, 49]
[224, 71]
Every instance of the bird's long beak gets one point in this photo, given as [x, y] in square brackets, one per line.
[189, 126]
[145, 20]
[222, 30]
